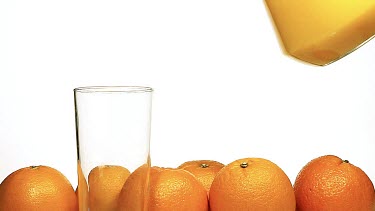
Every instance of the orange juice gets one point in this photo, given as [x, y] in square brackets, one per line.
[322, 31]
[82, 190]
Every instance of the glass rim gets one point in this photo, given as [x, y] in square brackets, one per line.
[109, 89]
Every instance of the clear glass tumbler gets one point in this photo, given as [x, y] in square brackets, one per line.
[113, 140]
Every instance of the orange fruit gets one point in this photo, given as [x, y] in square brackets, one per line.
[170, 189]
[204, 170]
[82, 191]
[105, 184]
[134, 193]
[330, 183]
[251, 184]
[37, 188]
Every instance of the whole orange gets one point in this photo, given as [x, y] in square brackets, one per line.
[105, 184]
[170, 189]
[37, 188]
[330, 183]
[251, 184]
[204, 170]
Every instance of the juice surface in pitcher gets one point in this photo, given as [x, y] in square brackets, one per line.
[322, 31]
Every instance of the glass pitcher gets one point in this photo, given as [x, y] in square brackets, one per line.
[321, 32]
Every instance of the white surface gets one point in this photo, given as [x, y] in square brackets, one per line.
[223, 88]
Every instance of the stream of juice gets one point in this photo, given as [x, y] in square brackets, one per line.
[82, 190]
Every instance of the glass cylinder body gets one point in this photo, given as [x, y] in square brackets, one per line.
[113, 135]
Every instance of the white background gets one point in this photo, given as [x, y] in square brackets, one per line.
[223, 88]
